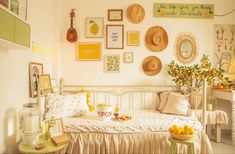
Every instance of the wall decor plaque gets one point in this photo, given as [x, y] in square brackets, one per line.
[180, 10]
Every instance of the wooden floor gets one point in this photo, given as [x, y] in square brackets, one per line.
[225, 147]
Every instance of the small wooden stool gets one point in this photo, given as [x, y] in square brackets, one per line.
[189, 143]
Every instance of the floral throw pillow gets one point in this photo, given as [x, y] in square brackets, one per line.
[69, 105]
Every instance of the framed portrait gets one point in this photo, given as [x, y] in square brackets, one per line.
[128, 57]
[94, 27]
[115, 15]
[133, 38]
[35, 70]
[114, 36]
[57, 127]
[45, 82]
[88, 51]
[111, 63]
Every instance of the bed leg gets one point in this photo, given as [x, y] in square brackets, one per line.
[208, 130]
[218, 133]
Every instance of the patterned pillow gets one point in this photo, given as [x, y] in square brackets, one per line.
[68, 105]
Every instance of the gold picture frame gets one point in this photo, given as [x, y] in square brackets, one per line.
[115, 14]
[186, 49]
[111, 63]
[88, 51]
[35, 70]
[45, 83]
[57, 128]
[114, 36]
[133, 38]
[94, 27]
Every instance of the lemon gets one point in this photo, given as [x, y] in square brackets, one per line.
[94, 27]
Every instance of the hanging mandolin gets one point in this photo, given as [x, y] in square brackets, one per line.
[71, 33]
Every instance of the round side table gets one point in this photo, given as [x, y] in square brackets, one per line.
[189, 143]
[49, 148]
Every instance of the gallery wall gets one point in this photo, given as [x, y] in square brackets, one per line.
[92, 72]
[14, 76]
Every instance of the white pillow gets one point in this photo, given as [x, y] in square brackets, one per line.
[68, 105]
[177, 104]
[163, 100]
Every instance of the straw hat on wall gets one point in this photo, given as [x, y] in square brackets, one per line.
[156, 39]
[152, 65]
[135, 13]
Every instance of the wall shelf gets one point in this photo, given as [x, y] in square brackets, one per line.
[14, 31]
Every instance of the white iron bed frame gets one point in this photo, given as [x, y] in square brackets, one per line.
[127, 97]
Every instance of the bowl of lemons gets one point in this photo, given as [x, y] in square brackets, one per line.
[181, 133]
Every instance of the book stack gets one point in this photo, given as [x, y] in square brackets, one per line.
[60, 140]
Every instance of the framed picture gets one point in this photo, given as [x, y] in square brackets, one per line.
[114, 36]
[15, 6]
[94, 27]
[35, 70]
[57, 128]
[88, 51]
[45, 83]
[133, 38]
[128, 57]
[54, 86]
[115, 15]
[111, 63]
[4, 3]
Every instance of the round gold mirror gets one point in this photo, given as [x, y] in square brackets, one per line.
[185, 48]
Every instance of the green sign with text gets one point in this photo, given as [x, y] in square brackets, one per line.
[178, 10]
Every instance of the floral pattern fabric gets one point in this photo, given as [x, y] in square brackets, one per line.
[69, 105]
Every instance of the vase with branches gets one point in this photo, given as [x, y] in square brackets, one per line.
[194, 75]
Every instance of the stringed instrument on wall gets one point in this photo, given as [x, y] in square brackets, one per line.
[72, 33]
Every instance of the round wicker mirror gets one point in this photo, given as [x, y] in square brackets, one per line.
[185, 48]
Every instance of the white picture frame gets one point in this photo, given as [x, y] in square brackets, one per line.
[57, 129]
[111, 63]
[114, 36]
[128, 57]
[94, 27]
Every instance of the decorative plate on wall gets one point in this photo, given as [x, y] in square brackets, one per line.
[186, 49]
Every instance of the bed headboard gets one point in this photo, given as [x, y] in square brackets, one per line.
[127, 97]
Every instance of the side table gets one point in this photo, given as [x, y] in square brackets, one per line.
[173, 146]
[49, 148]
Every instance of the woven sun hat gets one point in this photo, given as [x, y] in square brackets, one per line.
[135, 13]
[152, 65]
[156, 39]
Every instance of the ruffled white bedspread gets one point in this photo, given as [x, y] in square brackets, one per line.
[145, 133]
[142, 121]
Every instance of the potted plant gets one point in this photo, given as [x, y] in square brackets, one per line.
[194, 75]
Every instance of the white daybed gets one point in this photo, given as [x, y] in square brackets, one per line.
[147, 132]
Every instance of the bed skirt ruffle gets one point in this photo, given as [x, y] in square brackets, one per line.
[133, 143]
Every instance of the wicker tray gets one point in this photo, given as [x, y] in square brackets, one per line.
[181, 137]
